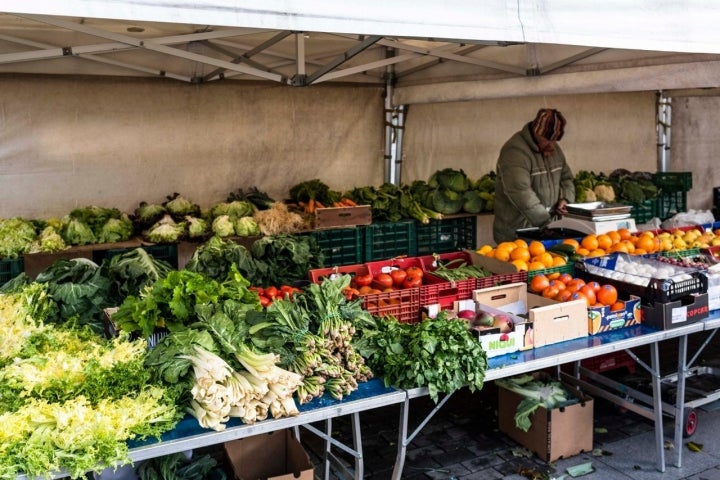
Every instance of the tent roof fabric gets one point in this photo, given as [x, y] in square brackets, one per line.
[413, 42]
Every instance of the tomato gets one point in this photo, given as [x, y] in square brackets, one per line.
[414, 272]
[398, 276]
[265, 301]
[271, 292]
[363, 279]
[384, 280]
[412, 282]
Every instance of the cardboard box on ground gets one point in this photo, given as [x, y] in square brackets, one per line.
[555, 433]
[269, 456]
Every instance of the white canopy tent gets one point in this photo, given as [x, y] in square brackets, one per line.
[416, 52]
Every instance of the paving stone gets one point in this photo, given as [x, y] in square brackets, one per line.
[486, 474]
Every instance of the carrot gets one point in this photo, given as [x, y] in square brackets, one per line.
[319, 205]
[311, 205]
[348, 202]
[338, 204]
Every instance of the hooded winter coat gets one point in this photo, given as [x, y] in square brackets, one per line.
[528, 185]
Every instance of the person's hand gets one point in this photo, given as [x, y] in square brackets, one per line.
[561, 207]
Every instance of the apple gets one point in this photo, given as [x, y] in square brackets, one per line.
[483, 319]
[504, 322]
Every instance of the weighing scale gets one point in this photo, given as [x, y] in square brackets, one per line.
[596, 218]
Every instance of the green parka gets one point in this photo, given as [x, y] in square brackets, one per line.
[528, 186]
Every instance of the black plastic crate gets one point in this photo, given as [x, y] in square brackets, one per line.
[10, 268]
[168, 253]
[673, 181]
[446, 235]
[390, 239]
[340, 246]
[671, 203]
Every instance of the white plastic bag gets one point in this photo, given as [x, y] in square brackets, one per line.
[689, 218]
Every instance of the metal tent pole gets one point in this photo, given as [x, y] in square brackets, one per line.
[664, 127]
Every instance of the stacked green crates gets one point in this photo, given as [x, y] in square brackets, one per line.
[10, 268]
[340, 246]
[446, 235]
[390, 239]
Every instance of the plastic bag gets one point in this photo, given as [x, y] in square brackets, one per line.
[689, 218]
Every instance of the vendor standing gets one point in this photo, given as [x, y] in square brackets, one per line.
[534, 182]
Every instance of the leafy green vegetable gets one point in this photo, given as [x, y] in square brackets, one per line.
[16, 236]
[537, 392]
[116, 230]
[49, 240]
[246, 227]
[235, 209]
[288, 258]
[165, 230]
[131, 271]
[178, 467]
[79, 290]
[222, 226]
[94, 217]
[146, 214]
[438, 353]
[196, 227]
[447, 201]
[215, 257]
[179, 207]
[472, 202]
[450, 179]
[259, 199]
[77, 232]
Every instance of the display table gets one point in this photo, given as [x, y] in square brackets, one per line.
[561, 353]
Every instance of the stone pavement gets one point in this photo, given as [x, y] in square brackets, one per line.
[462, 440]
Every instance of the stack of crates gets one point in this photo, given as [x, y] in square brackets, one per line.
[673, 192]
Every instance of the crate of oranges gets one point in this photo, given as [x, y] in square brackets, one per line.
[606, 310]
[520, 255]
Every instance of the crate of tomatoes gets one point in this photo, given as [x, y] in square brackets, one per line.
[383, 294]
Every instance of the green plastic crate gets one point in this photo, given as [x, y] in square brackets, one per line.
[671, 203]
[446, 235]
[645, 211]
[673, 181]
[10, 268]
[341, 246]
[390, 239]
[168, 253]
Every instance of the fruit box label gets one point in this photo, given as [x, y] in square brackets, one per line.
[602, 319]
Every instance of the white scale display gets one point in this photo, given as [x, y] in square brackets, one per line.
[596, 218]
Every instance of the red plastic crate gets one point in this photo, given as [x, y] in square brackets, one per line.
[610, 361]
[403, 304]
[437, 290]
[385, 266]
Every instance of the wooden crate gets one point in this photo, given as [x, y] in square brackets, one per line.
[334, 217]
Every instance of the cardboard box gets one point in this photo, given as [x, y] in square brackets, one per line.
[555, 433]
[549, 321]
[601, 319]
[687, 310]
[269, 456]
[493, 341]
[335, 217]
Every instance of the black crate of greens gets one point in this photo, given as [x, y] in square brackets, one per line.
[446, 235]
[673, 181]
[671, 203]
[168, 253]
[390, 239]
[646, 210]
[341, 246]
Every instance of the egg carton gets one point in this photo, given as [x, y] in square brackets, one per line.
[650, 279]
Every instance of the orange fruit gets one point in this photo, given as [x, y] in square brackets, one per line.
[594, 285]
[558, 284]
[588, 291]
[607, 295]
[490, 254]
[564, 295]
[589, 242]
[558, 261]
[580, 295]
[536, 248]
[630, 246]
[520, 242]
[582, 251]
[604, 241]
[507, 245]
[546, 259]
[536, 265]
[598, 252]
[553, 275]
[550, 292]
[614, 236]
[565, 278]
[576, 284]
[617, 306]
[619, 247]
[539, 283]
[648, 243]
[502, 254]
[571, 241]
[624, 233]
[520, 253]
[521, 265]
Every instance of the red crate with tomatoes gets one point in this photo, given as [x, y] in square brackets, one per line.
[437, 290]
[380, 293]
[271, 293]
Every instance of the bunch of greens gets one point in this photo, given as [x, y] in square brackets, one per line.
[49, 240]
[633, 187]
[315, 190]
[177, 466]
[287, 258]
[146, 214]
[438, 353]
[130, 272]
[95, 224]
[53, 379]
[392, 203]
[593, 187]
[261, 200]
[178, 207]
[16, 237]
[215, 257]
[171, 301]
[536, 393]
[79, 291]
[165, 230]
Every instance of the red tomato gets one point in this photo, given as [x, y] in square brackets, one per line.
[414, 272]
[363, 279]
[271, 292]
[384, 280]
[412, 282]
[265, 301]
[398, 276]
